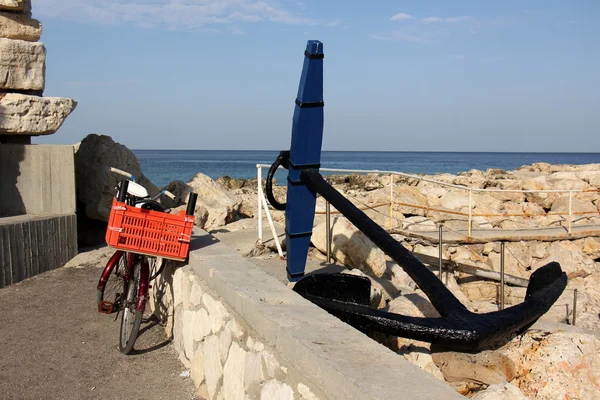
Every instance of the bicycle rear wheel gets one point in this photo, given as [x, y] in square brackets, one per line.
[132, 317]
[111, 288]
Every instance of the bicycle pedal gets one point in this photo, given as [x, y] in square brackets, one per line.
[106, 307]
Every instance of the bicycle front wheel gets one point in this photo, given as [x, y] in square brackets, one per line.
[131, 318]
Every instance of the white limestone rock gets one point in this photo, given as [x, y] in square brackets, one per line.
[306, 393]
[16, 5]
[276, 390]
[556, 365]
[570, 257]
[197, 368]
[413, 304]
[22, 65]
[213, 369]
[217, 313]
[19, 27]
[350, 247]
[225, 339]
[32, 115]
[500, 391]
[223, 207]
[233, 373]
[487, 367]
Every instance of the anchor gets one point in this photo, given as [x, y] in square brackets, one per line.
[347, 296]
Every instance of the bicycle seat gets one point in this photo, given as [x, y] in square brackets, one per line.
[137, 190]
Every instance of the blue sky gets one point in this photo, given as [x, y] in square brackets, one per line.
[399, 75]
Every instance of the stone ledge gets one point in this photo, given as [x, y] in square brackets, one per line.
[19, 26]
[342, 362]
[22, 114]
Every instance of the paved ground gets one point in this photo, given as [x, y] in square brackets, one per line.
[55, 345]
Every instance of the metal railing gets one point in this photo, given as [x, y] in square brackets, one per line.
[262, 205]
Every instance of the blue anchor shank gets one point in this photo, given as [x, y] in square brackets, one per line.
[305, 152]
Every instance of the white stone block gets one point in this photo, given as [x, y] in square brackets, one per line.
[22, 65]
[233, 374]
[306, 393]
[276, 390]
[200, 324]
[255, 371]
[31, 115]
[213, 369]
[216, 312]
[195, 293]
[15, 5]
[197, 367]
[236, 330]
[225, 343]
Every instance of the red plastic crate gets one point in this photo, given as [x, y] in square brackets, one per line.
[149, 232]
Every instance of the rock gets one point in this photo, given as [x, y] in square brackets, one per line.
[489, 367]
[555, 365]
[217, 313]
[569, 256]
[306, 393]
[233, 373]
[276, 390]
[32, 115]
[454, 201]
[213, 370]
[591, 247]
[225, 339]
[197, 367]
[230, 183]
[350, 247]
[20, 27]
[413, 304]
[561, 205]
[412, 196]
[16, 5]
[421, 357]
[418, 223]
[222, 207]
[94, 182]
[22, 65]
[500, 391]
[484, 291]
[200, 214]
[181, 190]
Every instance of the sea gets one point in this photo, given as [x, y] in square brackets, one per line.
[164, 166]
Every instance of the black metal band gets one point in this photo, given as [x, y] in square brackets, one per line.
[313, 104]
[295, 183]
[313, 56]
[304, 166]
[297, 235]
[293, 276]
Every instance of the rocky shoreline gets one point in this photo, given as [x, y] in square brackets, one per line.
[516, 370]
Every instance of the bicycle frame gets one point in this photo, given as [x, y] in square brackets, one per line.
[144, 275]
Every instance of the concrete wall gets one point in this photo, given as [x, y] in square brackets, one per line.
[36, 179]
[30, 245]
[244, 335]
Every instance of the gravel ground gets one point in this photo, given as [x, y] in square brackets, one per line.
[55, 345]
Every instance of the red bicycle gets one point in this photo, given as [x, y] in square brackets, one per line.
[143, 236]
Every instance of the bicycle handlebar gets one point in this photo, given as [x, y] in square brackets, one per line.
[121, 172]
[169, 194]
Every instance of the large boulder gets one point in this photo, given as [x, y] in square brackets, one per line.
[487, 367]
[570, 257]
[19, 26]
[223, 207]
[94, 182]
[350, 247]
[556, 365]
[406, 196]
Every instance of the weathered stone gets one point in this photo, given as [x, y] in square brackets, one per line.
[484, 291]
[409, 196]
[189, 330]
[22, 65]
[216, 312]
[254, 345]
[557, 365]
[487, 367]
[233, 373]
[95, 183]
[254, 371]
[413, 304]
[32, 115]
[418, 224]
[200, 325]
[197, 368]
[350, 247]
[454, 200]
[213, 369]
[19, 27]
[421, 357]
[16, 5]
[500, 391]
[306, 393]
[569, 256]
[578, 207]
[225, 339]
[223, 207]
[195, 297]
[276, 390]
[236, 331]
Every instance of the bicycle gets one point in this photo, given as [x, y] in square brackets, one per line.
[124, 282]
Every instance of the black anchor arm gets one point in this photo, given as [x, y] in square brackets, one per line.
[458, 327]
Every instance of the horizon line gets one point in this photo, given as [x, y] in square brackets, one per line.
[390, 151]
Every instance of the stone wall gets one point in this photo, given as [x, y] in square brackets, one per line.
[245, 335]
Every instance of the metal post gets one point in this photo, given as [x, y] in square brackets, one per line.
[574, 306]
[272, 226]
[570, 209]
[470, 211]
[391, 201]
[259, 196]
[440, 260]
[502, 275]
[328, 228]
